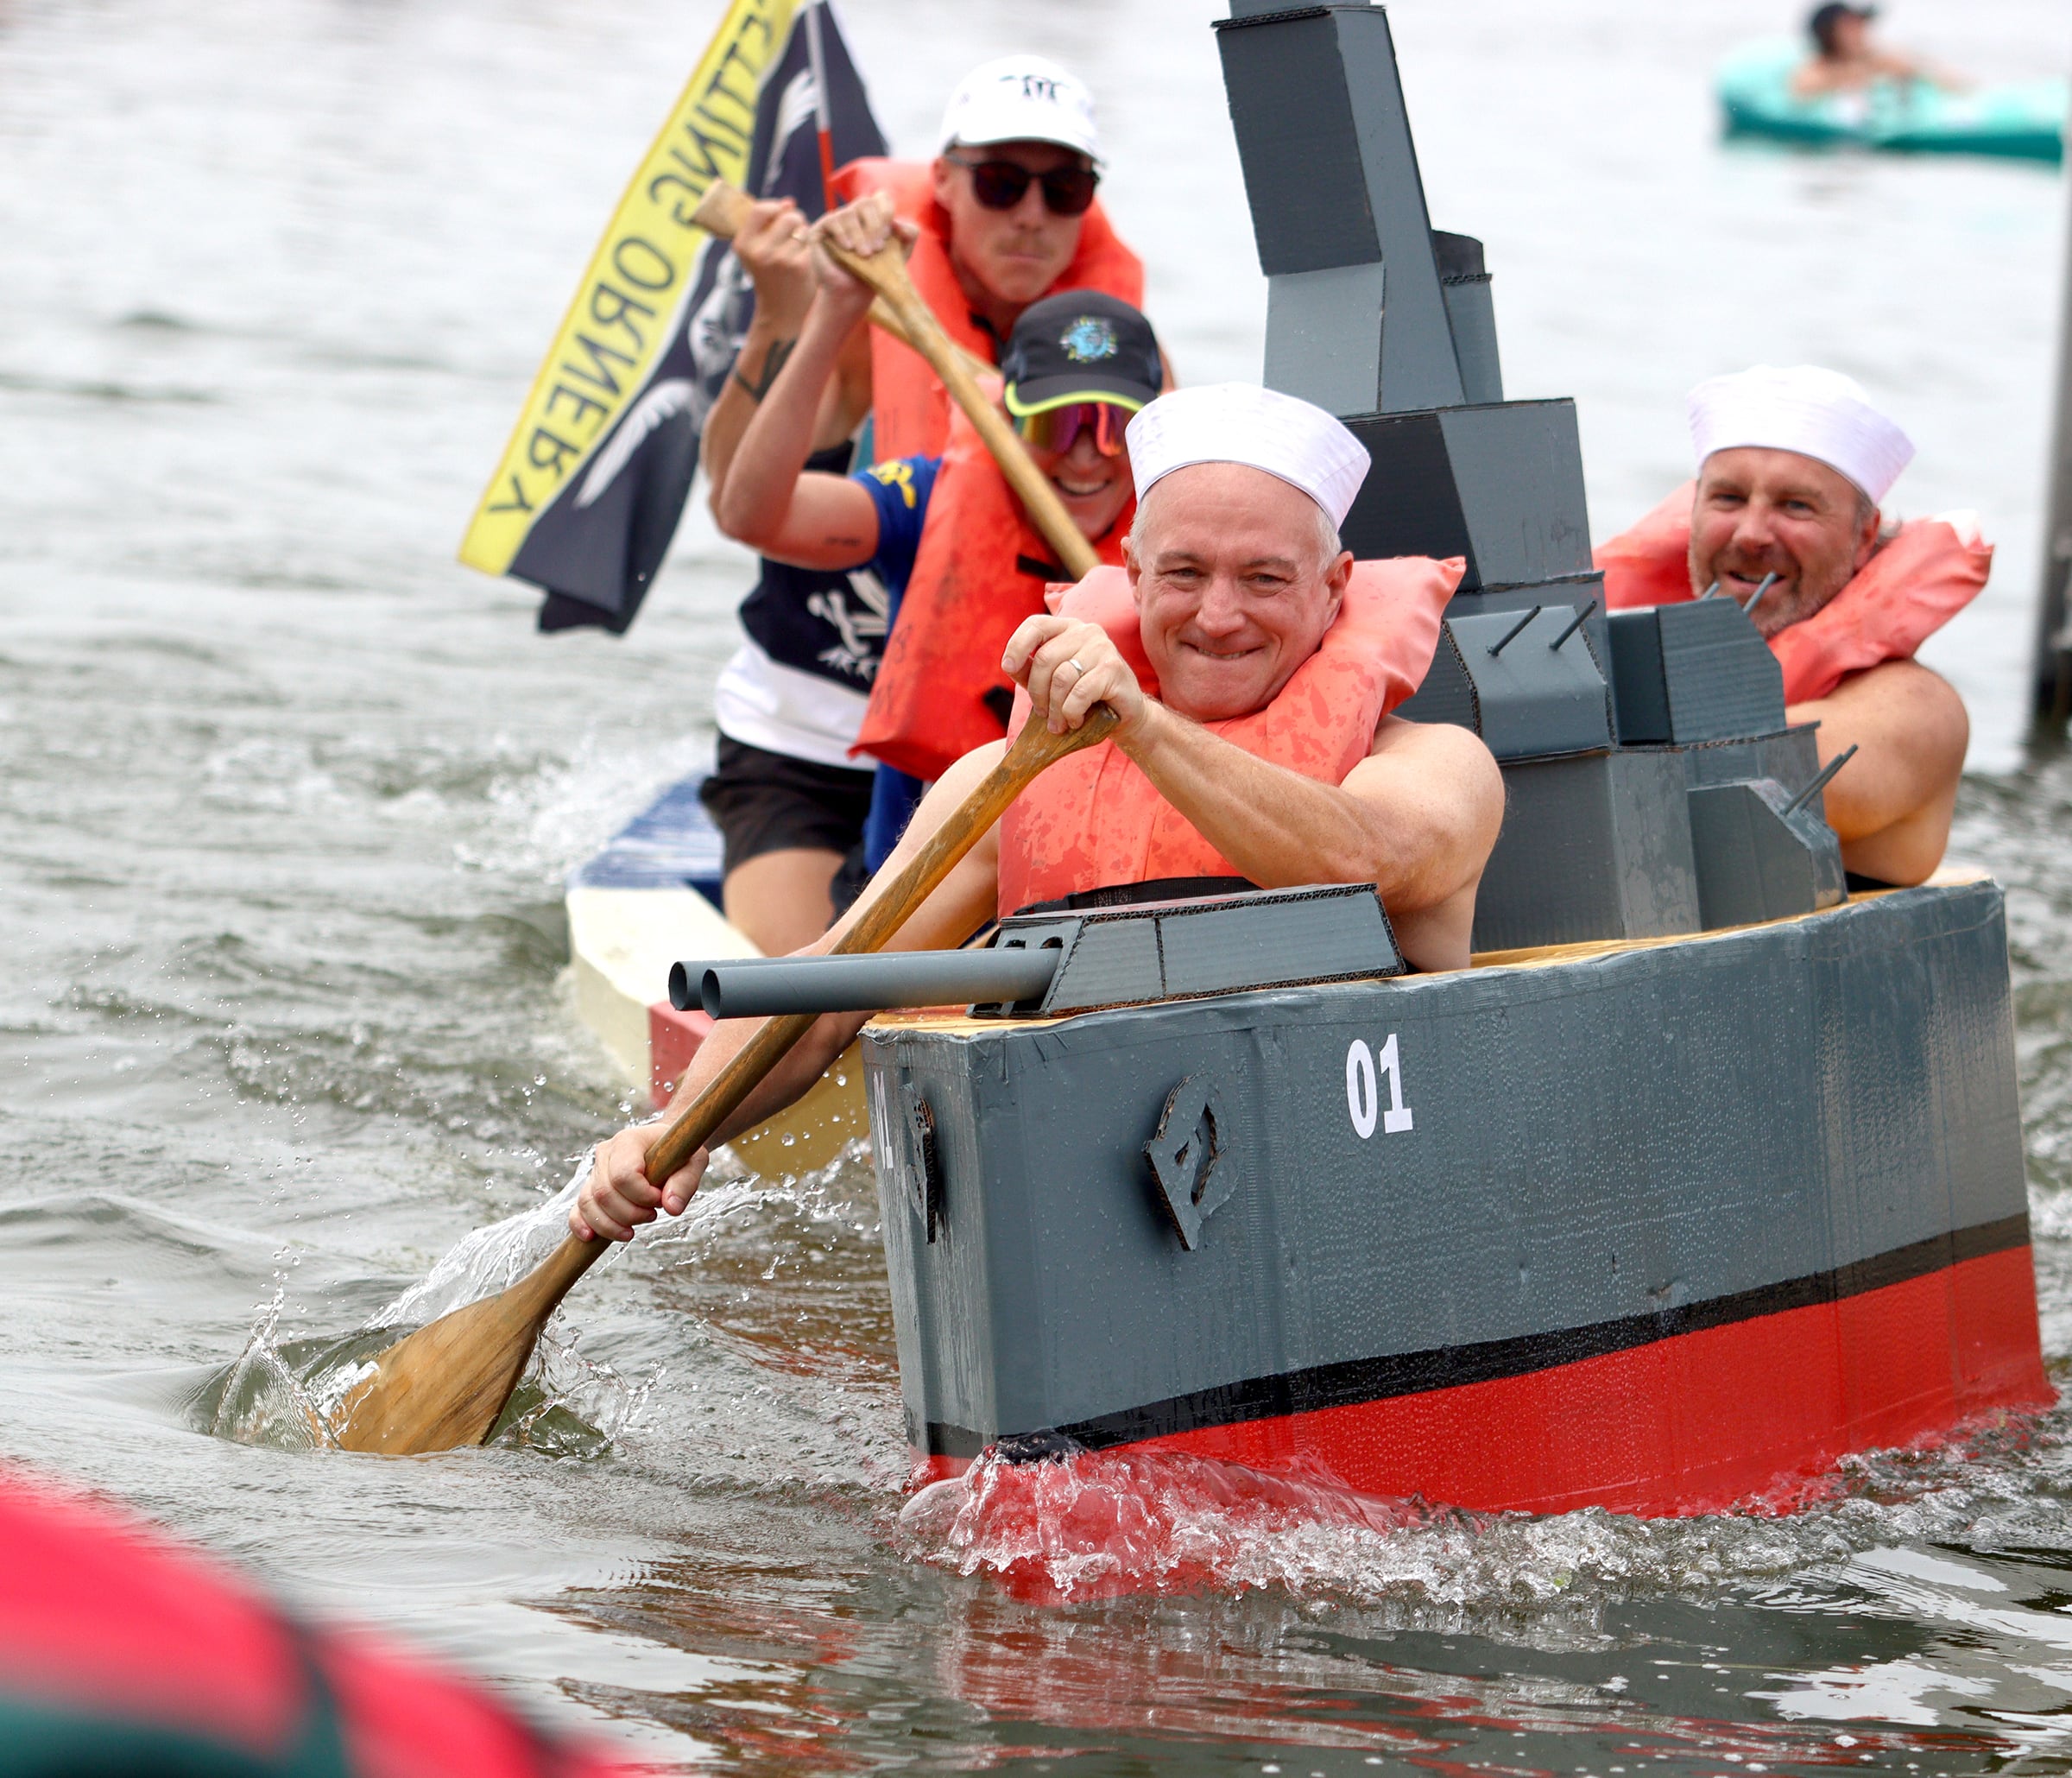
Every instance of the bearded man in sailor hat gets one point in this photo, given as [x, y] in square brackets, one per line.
[1251, 666]
[1785, 518]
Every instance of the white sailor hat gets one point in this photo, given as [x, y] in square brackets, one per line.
[1819, 413]
[1240, 422]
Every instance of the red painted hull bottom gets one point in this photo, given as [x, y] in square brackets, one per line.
[1695, 1423]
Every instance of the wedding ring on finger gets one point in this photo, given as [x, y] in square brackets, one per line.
[1078, 671]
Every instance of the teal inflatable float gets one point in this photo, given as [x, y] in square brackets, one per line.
[2023, 121]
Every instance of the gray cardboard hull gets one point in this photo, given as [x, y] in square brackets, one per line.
[1566, 1165]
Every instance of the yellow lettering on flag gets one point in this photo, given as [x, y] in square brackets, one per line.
[622, 317]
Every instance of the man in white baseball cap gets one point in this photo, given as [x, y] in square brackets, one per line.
[1251, 666]
[1785, 517]
[1017, 159]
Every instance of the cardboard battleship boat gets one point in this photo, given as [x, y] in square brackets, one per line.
[1706, 1172]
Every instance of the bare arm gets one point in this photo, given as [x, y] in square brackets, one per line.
[768, 500]
[1891, 804]
[776, 248]
[1896, 66]
[1417, 817]
[618, 1196]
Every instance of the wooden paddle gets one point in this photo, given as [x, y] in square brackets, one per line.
[910, 320]
[724, 211]
[445, 1385]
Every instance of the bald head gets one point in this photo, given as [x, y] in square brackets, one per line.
[1237, 575]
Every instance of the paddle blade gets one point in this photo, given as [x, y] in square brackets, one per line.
[442, 1387]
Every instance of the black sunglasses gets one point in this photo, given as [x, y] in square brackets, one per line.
[1000, 184]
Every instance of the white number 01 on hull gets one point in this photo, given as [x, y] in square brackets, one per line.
[1362, 1088]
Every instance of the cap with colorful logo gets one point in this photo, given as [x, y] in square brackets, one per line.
[1081, 345]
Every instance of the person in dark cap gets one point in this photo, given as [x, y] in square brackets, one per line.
[943, 533]
[1845, 59]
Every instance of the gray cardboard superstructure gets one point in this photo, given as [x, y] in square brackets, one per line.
[1594, 846]
[1211, 945]
[1356, 315]
[1500, 486]
[1695, 672]
[1390, 325]
[1376, 317]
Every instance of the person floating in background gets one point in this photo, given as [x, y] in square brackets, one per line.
[1005, 214]
[1251, 665]
[1844, 59]
[943, 534]
[1792, 466]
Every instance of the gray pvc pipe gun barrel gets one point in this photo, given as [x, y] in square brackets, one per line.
[742, 988]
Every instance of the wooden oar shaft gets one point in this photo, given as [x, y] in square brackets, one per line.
[890, 905]
[722, 212]
[901, 312]
[885, 271]
[721, 1096]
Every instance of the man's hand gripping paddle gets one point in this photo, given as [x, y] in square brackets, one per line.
[445, 1385]
[901, 312]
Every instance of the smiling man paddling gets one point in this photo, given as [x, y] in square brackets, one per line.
[1793, 465]
[1252, 665]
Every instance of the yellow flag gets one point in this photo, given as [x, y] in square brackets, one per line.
[597, 396]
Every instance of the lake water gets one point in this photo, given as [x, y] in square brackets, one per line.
[290, 796]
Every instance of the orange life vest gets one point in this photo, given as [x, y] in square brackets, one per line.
[1095, 821]
[910, 409]
[1906, 592]
[982, 568]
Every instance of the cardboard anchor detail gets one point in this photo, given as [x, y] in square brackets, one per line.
[1704, 1175]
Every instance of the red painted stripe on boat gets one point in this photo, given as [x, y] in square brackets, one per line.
[1694, 1422]
[672, 1040]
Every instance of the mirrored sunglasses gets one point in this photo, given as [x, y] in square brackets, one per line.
[1058, 428]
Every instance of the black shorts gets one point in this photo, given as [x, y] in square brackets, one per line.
[770, 802]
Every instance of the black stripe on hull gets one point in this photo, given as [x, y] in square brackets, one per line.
[1352, 1381]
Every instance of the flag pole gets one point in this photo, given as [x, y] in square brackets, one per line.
[2050, 677]
[822, 111]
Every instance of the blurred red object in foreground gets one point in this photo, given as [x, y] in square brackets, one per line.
[122, 1652]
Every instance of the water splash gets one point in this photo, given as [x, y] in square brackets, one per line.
[1095, 1525]
[486, 1261]
[287, 1394]
[1105, 1524]
[263, 1397]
